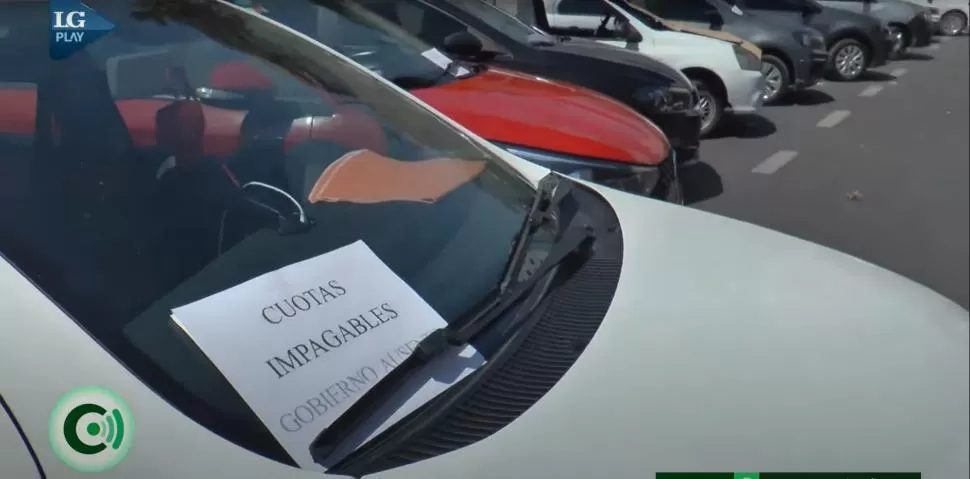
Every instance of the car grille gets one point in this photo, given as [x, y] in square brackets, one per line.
[512, 386]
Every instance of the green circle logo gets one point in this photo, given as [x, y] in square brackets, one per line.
[91, 429]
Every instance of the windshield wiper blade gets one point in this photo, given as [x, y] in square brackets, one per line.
[577, 240]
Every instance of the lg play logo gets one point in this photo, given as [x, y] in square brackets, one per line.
[91, 429]
[73, 26]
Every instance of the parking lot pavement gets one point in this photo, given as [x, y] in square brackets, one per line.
[876, 168]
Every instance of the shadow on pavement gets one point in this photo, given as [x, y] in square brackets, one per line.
[700, 182]
[916, 56]
[744, 126]
[804, 98]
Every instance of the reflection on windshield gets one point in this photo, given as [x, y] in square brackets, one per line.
[498, 19]
[642, 14]
[131, 198]
[367, 38]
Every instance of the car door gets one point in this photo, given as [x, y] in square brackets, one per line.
[574, 14]
[857, 6]
[17, 459]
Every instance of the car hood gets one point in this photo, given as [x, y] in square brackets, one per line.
[594, 49]
[751, 350]
[727, 347]
[723, 36]
[510, 107]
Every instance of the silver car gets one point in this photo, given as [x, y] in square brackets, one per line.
[910, 25]
[950, 16]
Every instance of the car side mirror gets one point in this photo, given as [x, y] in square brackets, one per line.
[714, 18]
[463, 44]
[631, 34]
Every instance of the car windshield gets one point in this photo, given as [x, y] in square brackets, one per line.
[642, 14]
[498, 19]
[121, 169]
[368, 38]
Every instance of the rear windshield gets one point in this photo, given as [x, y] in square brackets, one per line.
[121, 204]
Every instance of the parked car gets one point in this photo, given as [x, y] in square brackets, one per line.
[725, 69]
[793, 57]
[950, 16]
[910, 24]
[867, 366]
[662, 94]
[855, 42]
[575, 130]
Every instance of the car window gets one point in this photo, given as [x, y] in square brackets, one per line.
[579, 7]
[684, 10]
[373, 39]
[424, 21]
[127, 175]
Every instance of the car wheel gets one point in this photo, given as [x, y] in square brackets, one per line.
[710, 106]
[900, 41]
[777, 78]
[848, 59]
[953, 23]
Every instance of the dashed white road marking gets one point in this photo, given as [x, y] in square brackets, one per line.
[775, 162]
[820, 83]
[893, 83]
[871, 90]
[898, 72]
[833, 118]
[935, 46]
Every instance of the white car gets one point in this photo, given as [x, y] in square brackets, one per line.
[727, 70]
[155, 323]
[950, 16]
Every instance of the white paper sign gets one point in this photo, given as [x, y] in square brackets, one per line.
[442, 61]
[302, 343]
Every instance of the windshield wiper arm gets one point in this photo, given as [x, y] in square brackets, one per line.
[576, 241]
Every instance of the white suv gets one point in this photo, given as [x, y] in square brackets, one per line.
[726, 70]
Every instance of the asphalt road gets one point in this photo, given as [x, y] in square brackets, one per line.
[876, 168]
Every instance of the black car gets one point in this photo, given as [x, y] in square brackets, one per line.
[855, 42]
[655, 90]
[793, 56]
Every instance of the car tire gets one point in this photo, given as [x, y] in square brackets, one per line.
[905, 40]
[953, 23]
[848, 60]
[780, 82]
[712, 111]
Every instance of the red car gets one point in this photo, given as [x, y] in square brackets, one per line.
[567, 128]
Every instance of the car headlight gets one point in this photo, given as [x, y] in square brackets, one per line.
[810, 39]
[664, 99]
[746, 59]
[639, 179]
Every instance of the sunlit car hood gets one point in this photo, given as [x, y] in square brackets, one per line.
[755, 351]
[511, 107]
